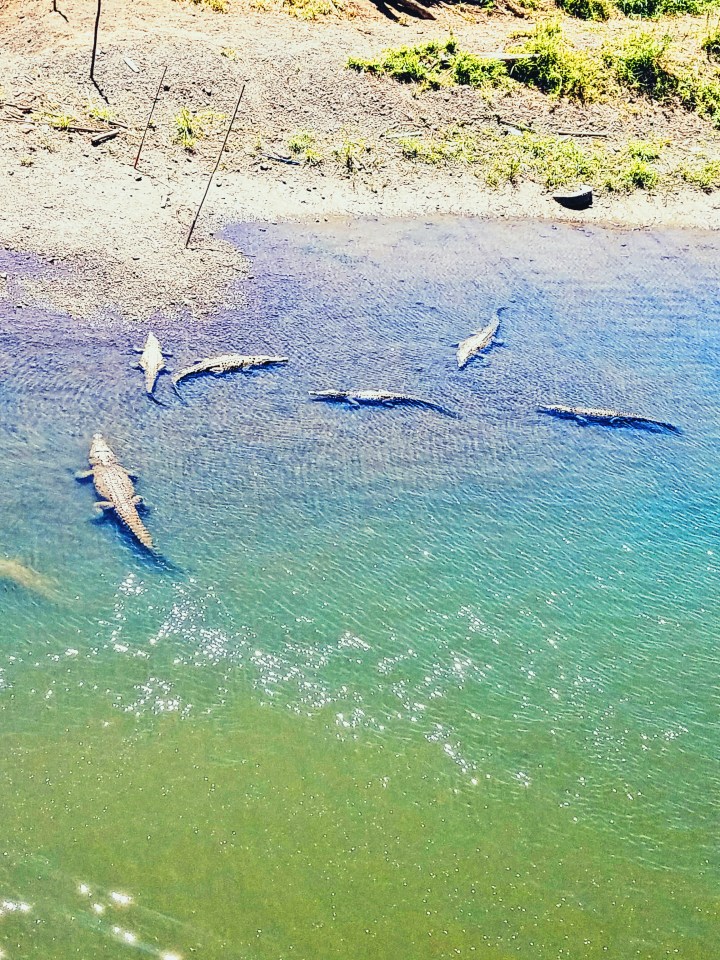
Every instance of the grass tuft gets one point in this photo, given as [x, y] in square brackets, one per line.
[711, 43]
[304, 144]
[55, 119]
[640, 63]
[556, 68]
[217, 6]
[192, 126]
[587, 9]
[100, 111]
[353, 155]
[706, 176]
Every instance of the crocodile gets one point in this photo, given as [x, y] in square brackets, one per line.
[356, 398]
[225, 363]
[599, 415]
[114, 484]
[476, 343]
[152, 362]
[16, 573]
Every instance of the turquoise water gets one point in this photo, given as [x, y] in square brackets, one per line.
[407, 686]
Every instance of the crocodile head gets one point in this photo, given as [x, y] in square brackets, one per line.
[100, 452]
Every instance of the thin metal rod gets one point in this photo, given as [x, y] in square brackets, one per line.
[95, 38]
[192, 226]
[152, 110]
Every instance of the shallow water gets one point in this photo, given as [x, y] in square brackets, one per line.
[407, 686]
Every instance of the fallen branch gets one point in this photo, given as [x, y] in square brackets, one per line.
[278, 159]
[104, 137]
[583, 133]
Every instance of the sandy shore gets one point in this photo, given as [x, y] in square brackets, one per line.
[113, 238]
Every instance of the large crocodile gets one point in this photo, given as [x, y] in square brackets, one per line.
[600, 415]
[355, 398]
[476, 343]
[225, 363]
[114, 485]
[152, 362]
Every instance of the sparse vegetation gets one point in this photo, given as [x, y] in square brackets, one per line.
[549, 160]
[353, 155]
[55, 119]
[192, 126]
[217, 6]
[306, 9]
[304, 144]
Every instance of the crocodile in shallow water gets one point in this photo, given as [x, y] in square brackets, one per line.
[114, 485]
[152, 362]
[225, 363]
[385, 398]
[476, 343]
[19, 575]
[611, 417]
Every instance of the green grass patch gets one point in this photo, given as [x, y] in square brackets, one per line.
[702, 95]
[433, 65]
[652, 9]
[549, 160]
[705, 175]
[588, 9]
[453, 145]
[552, 66]
[640, 63]
[556, 68]
[306, 9]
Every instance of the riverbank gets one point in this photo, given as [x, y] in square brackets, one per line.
[360, 145]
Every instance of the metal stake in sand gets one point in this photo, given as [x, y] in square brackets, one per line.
[95, 38]
[152, 110]
[192, 225]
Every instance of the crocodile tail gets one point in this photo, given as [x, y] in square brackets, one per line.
[132, 521]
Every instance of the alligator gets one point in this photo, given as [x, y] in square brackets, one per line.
[152, 362]
[16, 573]
[115, 485]
[611, 417]
[476, 343]
[225, 363]
[356, 398]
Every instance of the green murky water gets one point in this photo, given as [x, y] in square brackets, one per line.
[408, 686]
